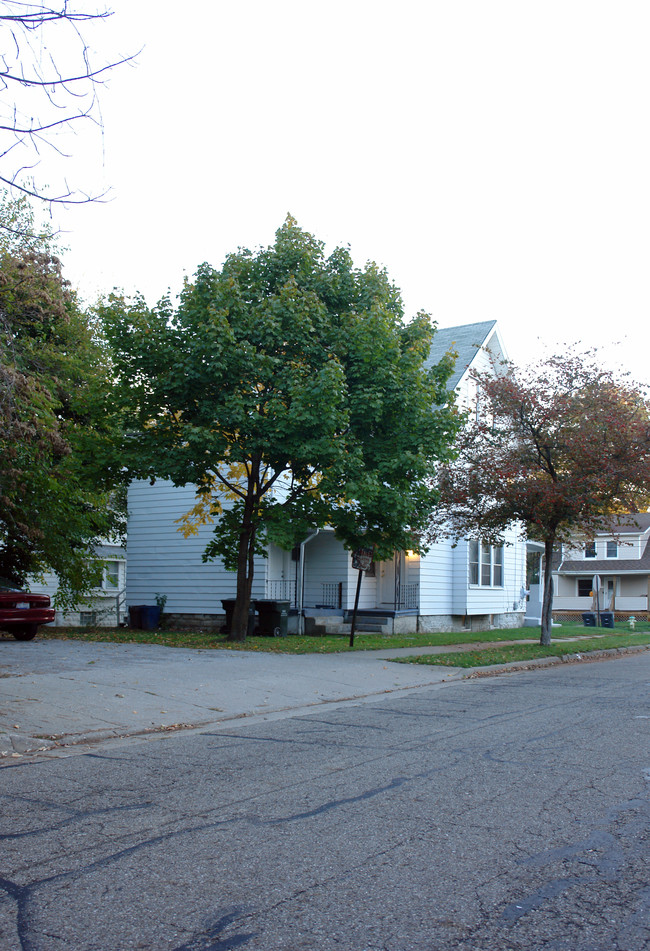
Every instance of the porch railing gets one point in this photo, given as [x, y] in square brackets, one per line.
[409, 596]
[332, 595]
[282, 591]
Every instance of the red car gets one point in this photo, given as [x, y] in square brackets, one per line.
[22, 612]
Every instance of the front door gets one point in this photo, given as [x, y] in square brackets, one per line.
[391, 576]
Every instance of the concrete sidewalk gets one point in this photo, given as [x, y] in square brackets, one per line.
[60, 694]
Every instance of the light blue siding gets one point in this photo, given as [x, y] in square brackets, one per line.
[162, 561]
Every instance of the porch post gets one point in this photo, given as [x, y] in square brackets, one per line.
[301, 582]
[398, 579]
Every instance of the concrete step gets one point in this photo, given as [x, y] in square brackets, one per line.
[317, 626]
[369, 623]
[332, 624]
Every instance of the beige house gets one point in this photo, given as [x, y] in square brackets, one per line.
[619, 560]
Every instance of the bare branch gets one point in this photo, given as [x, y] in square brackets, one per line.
[50, 81]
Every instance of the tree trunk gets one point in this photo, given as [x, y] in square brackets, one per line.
[245, 570]
[547, 600]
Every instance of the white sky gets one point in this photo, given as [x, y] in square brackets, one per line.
[493, 155]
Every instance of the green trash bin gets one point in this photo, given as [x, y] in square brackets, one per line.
[274, 617]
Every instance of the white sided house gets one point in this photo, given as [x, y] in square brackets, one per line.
[469, 585]
[105, 605]
[608, 573]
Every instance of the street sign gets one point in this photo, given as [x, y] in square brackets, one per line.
[362, 559]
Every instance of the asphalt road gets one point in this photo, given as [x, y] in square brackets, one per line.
[509, 813]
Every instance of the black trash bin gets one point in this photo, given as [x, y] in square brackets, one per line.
[589, 619]
[228, 605]
[274, 617]
[135, 616]
[607, 619]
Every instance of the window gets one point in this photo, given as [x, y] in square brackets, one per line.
[112, 576]
[612, 549]
[485, 565]
[584, 587]
[473, 562]
[590, 550]
[497, 567]
[533, 568]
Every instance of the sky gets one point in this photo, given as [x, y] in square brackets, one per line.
[493, 156]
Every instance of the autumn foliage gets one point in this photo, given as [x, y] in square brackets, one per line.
[563, 448]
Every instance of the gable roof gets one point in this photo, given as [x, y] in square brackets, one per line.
[633, 524]
[466, 340]
[612, 566]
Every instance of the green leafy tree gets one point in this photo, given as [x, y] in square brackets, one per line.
[563, 448]
[287, 387]
[59, 471]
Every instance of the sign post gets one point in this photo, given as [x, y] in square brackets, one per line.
[361, 560]
[595, 584]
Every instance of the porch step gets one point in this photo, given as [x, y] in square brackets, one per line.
[368, 623]
[317, 626]
[368, 627]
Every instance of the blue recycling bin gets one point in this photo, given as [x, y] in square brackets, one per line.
[150, 614]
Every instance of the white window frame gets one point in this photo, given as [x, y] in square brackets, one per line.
[610, 545]
[107, 584]
[485, 565]
[590, 550]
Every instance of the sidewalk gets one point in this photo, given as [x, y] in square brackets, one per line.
[57, 694]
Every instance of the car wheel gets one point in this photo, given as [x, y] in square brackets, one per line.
[25, 632]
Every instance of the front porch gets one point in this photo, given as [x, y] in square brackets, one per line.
[318, 581]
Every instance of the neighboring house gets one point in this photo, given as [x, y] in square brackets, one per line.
[106, 605]
[620, 559]
[454, 586]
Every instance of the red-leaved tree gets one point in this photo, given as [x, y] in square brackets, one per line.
[562, 448]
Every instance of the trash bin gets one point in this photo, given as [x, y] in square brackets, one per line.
[135, 616]
[228, 605]
[607, 619]
[274, 617]
[589, 619]
[150, 614]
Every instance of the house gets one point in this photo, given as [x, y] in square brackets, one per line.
[621, 561]
[468, 585]
[106, 605]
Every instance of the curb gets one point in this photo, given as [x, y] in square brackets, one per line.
[610, 653]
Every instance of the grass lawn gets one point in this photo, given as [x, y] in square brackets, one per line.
[331, 643]
[507, 653]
